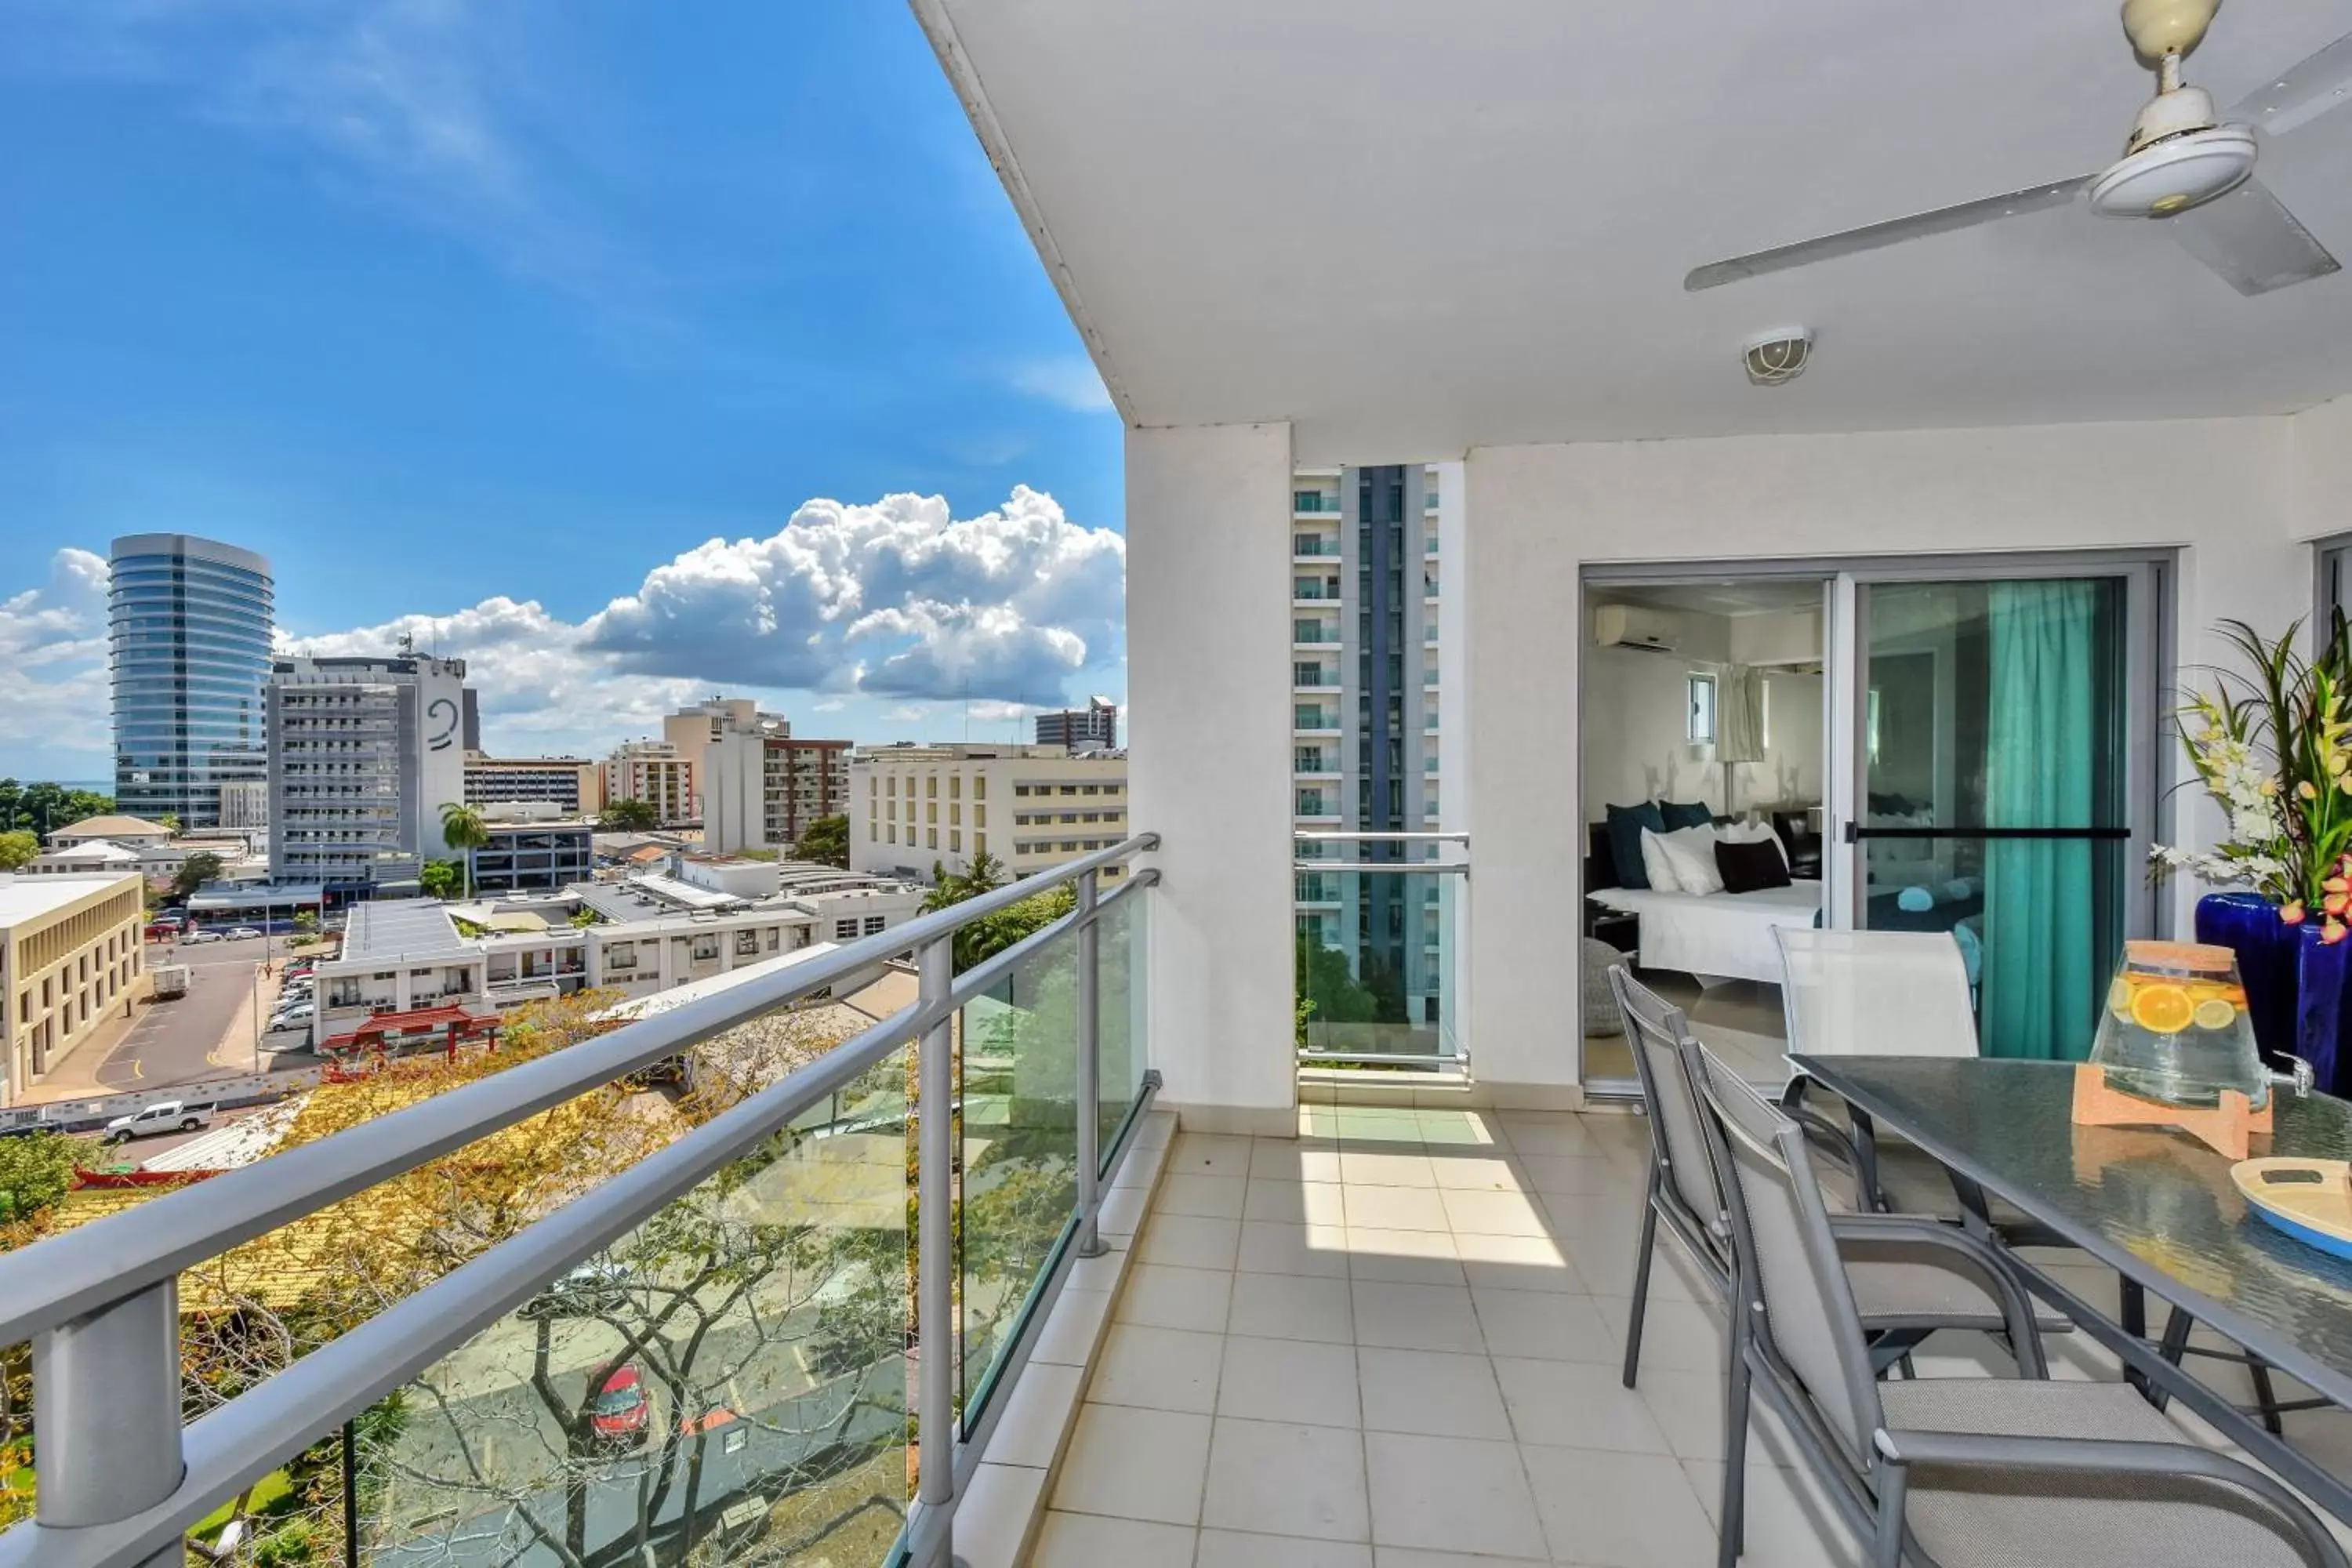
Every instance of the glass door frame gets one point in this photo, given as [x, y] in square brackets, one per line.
[2148, 576]
[2151, 626]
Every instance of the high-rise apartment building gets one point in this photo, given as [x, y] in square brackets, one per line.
[1028, 807]
[188, 624]
[573, 784]
[364, 754]
[755, 783]
[1364, 616]
[1094, 728]
[652, 772]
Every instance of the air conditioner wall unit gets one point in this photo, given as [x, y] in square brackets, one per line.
[1633, 625]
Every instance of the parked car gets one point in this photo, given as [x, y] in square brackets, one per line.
[240, 933]
[620, 1410]
[298, 1017]
[196, 936]
[164, 1115]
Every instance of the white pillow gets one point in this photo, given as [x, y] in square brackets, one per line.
[1660, 870]
[1690, 851]
[1755, 833]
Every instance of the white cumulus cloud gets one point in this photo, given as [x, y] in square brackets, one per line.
[52, 656]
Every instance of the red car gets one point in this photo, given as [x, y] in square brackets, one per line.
[620, 1408]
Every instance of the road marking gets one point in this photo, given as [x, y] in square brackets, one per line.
[136, 1069]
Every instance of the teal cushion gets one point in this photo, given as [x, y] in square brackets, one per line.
[1696, 814]
[1625, 825]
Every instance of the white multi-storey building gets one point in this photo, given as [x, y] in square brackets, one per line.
[364, 754]
[757, 784]
[911, 807]
[654, 773]
[573, 785]
[1364, 711]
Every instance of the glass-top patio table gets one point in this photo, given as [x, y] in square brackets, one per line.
[2154, 1206]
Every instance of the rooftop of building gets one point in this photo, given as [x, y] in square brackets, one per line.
[977, 750]
[24, 899]
[403, 927]
[113, 826]
[93, 852]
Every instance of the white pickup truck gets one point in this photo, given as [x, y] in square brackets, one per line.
[164, 1115]
[171, 980]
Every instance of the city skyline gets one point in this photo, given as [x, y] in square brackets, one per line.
[483, 329]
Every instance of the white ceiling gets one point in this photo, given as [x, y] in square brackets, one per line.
[1752, 596]
[1412, 228]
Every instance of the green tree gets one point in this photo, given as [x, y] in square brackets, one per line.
[826, 842]
[197, 869]
[35, 1170]
[991, 933]
[306, 922]
[1328, 991]
[584, 917]
[441, 878]
[629, 815]
[17, 847]
[171, 821]
[45, 806]
[462, 827]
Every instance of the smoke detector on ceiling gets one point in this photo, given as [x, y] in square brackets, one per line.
[1779, 355]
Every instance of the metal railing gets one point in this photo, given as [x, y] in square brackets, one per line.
[1389, 1042]
[119, 1481]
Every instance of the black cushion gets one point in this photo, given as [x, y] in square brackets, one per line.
[1746, 867]
[1625, 825]
[1679, 815]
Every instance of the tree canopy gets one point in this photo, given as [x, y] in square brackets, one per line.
[993, 934]
[198, 868]
[441, 878]
[825, 841]
[45, 807]
[35, 1170]
[17, 847]
[629, 815]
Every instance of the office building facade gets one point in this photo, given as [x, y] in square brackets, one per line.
[573, 785]
[1029, 808]
[70, 959]
[1364, 601]
[534, 857]
[756, 784]
[653, 771]
[1094, 728]
[188, 626]
[364, 754]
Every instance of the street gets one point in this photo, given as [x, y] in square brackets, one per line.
[181, 1041]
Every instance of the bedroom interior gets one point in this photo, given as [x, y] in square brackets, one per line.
[1703, 702]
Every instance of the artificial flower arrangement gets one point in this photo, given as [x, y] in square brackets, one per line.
[2270, 747]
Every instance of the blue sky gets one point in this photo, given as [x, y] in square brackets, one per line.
[634, 350]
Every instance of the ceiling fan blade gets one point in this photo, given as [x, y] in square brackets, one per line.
[1894, 231]
[2255, 244]
[2301, 93]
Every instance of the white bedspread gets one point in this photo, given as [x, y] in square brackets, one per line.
[1725, 935]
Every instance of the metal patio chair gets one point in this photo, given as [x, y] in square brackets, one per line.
[1910, 1289]
[1955, 1472]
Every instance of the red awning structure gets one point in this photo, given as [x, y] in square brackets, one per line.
[416, 1027]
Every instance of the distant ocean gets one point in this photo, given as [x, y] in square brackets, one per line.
[96, 787]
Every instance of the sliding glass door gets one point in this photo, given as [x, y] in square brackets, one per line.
[2002, 787]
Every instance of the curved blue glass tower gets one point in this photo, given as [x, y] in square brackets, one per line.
[189, 622]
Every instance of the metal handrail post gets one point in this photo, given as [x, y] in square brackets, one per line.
[109, 1393]
[1089, 1092]
[935, 1239]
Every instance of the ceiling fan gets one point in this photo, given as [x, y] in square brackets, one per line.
[2183, 165]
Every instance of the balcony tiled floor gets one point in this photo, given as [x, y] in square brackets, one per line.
[1395, 1342]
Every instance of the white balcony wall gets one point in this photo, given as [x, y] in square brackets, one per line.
[1208, 636]
[2236, 496]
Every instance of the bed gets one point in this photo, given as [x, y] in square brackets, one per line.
[1715, 936]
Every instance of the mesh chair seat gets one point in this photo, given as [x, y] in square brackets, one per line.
[1896, 1289]
[1977, 1518]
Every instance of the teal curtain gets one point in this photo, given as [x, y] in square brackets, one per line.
[2042, 770]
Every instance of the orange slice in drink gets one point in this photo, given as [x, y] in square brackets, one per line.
[2163, 1009]
[2215, 1013]
[2119, 997]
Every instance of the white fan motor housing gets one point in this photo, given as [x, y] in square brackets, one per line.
[2175, 174]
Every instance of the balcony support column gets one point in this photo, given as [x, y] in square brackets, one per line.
[1089, 1240]
[935, 1259]
[1209, 680]
[108, 1387]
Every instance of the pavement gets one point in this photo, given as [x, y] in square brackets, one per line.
[206, 1034]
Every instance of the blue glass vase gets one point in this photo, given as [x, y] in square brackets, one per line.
[2295, 983]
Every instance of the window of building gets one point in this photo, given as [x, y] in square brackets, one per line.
[955, 786]
[955, 841]
[930, 811]
[1019, 789]
[955, 815]
[980, 844]
[894, 784]
[931, 786]
[706, 947]
[980, 786]
[1069, 816]
[980, 817]
[894, 834]
[1092, 789]
[873, 831]
[747, 944]
[844, 930]
[876, 924]
[1069, 789]
[932, 837]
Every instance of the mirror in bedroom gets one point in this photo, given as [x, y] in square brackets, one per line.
[1703, 757]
